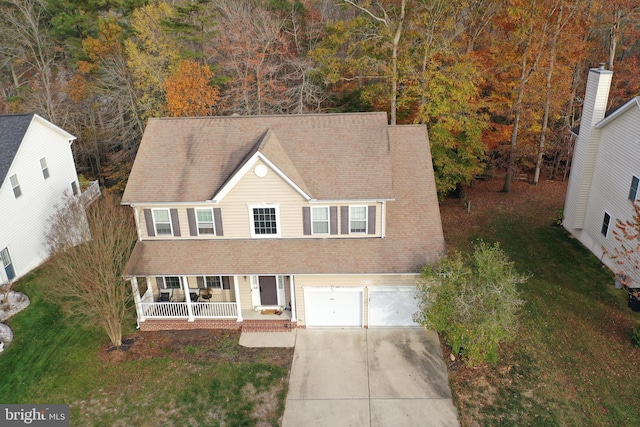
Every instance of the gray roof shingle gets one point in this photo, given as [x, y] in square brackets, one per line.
[13, 127]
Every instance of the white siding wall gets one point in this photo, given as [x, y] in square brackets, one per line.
[618, 159]
[24, 220]
[254, 190]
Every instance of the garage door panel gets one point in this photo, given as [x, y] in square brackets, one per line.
[333, 307]
[392, 307]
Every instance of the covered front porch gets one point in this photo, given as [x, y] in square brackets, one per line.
[208, 300]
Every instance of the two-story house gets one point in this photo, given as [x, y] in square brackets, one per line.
[273, 222]
[36, 169]
[605, 171]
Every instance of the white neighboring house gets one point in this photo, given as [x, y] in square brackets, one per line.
[605, 173]
[36, 169]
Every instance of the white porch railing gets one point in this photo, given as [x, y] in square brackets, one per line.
[91, 193]
[178, 310]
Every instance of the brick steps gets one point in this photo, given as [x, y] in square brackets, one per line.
[266, 325]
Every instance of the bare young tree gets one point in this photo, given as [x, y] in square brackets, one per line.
[88, 258]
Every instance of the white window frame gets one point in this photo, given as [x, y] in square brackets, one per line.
[164, 278]
[604, 220]
[210, 284]
[366, 219]
[44, 168]
[254, 235]
[213, 222]
[15, 186]
[634, 192]
[155, 223]
[326, 221]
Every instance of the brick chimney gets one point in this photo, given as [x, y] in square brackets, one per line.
[586, 146]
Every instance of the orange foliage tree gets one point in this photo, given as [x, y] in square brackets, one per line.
[189, 92]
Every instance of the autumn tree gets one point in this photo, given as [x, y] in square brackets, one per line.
[189, 91]
[88, 258]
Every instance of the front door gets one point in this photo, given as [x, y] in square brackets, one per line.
[8, 265]
[268, 290]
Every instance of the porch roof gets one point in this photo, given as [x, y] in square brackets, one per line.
[413, 235]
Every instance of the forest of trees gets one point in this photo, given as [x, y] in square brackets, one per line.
[498, 82]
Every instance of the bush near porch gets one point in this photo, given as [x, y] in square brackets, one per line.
[573, 361]
[164, 378]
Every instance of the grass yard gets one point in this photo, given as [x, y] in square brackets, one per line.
[572, 363]
[170, 379]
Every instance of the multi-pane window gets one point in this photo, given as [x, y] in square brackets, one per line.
[320, 220]
[358, 219]
[172, 282]
[205, 221]
[264, 221]
[605, 224]
[44, 167]
[15, 185]
[214, 282]
[633, 191]
[162, 222]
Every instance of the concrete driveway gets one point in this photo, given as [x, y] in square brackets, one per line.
[368, 377]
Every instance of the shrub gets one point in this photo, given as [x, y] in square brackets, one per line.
[472, 301]
[635, 337]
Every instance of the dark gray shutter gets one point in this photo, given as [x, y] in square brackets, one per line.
[200, 281]
[306, 220]
[175, 222]
[159, 282]
[226, 284]
[333, 219]
[217, 219]
[372, 220]
[148, 219]
[344, 219]
[193, 226]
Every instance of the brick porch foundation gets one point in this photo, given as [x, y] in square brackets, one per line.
[245, 326]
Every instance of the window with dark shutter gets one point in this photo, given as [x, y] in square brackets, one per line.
[226, 283]
[191, 218]
[344, 219]
[175, 222]
[148, 219]
[371, 227]
[217, 219]
[333, 219]
[306, 220]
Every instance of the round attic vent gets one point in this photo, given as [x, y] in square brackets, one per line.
[260, 170]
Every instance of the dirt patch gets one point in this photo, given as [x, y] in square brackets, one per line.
[197, 344]
[460, 220]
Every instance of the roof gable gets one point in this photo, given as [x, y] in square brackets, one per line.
[328, 156]
[616, 112]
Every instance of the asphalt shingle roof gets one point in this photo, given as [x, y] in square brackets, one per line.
[13, 127]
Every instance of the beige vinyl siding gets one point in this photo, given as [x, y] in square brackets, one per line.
[348, 281]
[618, 160]
[270, 190]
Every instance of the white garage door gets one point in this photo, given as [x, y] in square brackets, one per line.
[332, 307]
[392, 306]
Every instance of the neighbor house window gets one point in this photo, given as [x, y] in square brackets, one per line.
[320, 220]
[358, 219]
[172, 282]
[264, 221]
[74, 189]
[633, 191]
[7, 264]
[162, 222]
[214, 282]
[15, 185]
[44, 167]
[605, 224]
[204, 218]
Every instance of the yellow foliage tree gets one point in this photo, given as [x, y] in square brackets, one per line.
[189, 92]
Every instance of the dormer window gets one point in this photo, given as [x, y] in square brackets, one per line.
[264, 221]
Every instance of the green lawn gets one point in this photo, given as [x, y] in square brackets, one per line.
[52, 361]
[572, 363]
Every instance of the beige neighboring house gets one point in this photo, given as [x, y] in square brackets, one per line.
[268, 223]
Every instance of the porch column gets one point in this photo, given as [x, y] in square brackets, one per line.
[185, 289]
[136, 299]
[292, 291]
[236, 291]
